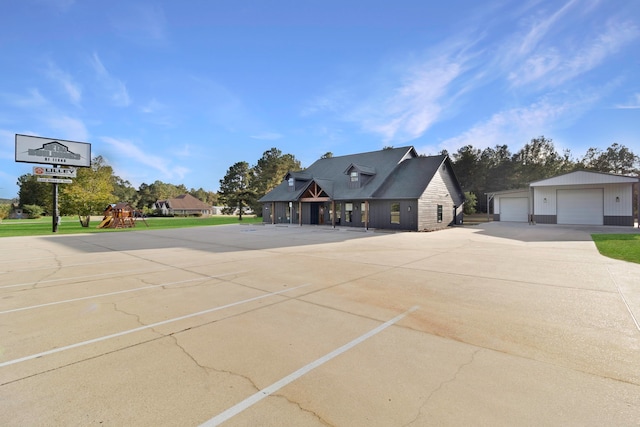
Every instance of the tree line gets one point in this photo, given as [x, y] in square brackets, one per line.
[496, 168]
[94, 188]
[479, 172]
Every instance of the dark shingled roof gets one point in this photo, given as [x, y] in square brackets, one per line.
[410, 178]
[391, 173]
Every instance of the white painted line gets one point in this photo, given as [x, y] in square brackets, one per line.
[116, 293]
[57, 267]
[265, 392]
[142, 328]
[624, 300]
[90, 276]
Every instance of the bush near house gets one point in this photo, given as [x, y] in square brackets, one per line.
[34, 211]
[5, 208]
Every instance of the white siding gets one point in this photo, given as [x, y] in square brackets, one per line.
[544, 201]
[618, 200]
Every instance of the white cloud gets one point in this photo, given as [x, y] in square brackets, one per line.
[65, 80]
[137, 155]
[152, 106]
[554, 65]
[68, 127]
[33, 99]
[517, 125]
[141, 23]
[267, 136]
[539, 31]
[180, 172]
[416, 103]
[185, 151]
[633, 104]
[7, 145]
[117, 89]
[333, 102]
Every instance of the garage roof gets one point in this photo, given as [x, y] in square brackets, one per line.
[584, 177]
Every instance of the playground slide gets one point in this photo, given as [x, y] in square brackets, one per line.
[106, 222]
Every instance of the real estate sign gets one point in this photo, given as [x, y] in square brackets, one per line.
[45, 171]
[34, 149]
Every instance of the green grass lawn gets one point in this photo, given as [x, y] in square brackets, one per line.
[619, 246]
[71, 225]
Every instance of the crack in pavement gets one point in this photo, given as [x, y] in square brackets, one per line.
[308, 411]
[206, 368]
[442, 384]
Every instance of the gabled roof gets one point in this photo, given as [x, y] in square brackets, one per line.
[298, 175]
[411, 178]
[366, 170]
[186, 202]
[584, 177]
[395, 172]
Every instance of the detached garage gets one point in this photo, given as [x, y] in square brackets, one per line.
[587, 198]
[581, 197]
[511, 206]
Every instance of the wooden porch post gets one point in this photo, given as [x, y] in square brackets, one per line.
[333, 213]
[273, 212]
[300, 213]
[366, 210]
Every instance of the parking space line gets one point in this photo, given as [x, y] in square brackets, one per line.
[142, 328]
[265, 392]
[89, 276]
[116, 292]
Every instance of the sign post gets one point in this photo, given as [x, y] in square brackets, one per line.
[56, 152]
[54, 220]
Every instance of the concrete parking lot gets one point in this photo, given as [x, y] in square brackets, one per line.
[496, 324]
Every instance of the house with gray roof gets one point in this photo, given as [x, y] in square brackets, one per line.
[388, 189]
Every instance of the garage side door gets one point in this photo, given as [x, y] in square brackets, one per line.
[581, 206]
[514, 209]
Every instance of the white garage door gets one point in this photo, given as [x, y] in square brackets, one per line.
[514, 209]
[581, 206]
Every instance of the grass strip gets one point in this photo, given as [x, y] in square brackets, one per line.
[71, 225]
[625, 247]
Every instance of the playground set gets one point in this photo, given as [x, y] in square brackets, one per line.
[120, 215]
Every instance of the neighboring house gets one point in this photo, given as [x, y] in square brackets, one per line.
[16, 212]
[388, 189]
[581, 197]
[184, 204]
[218, 210]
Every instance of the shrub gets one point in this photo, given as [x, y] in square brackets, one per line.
[470, 203]
[5, 208]
[34, 211]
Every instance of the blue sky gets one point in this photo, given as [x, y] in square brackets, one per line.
[179, 91]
